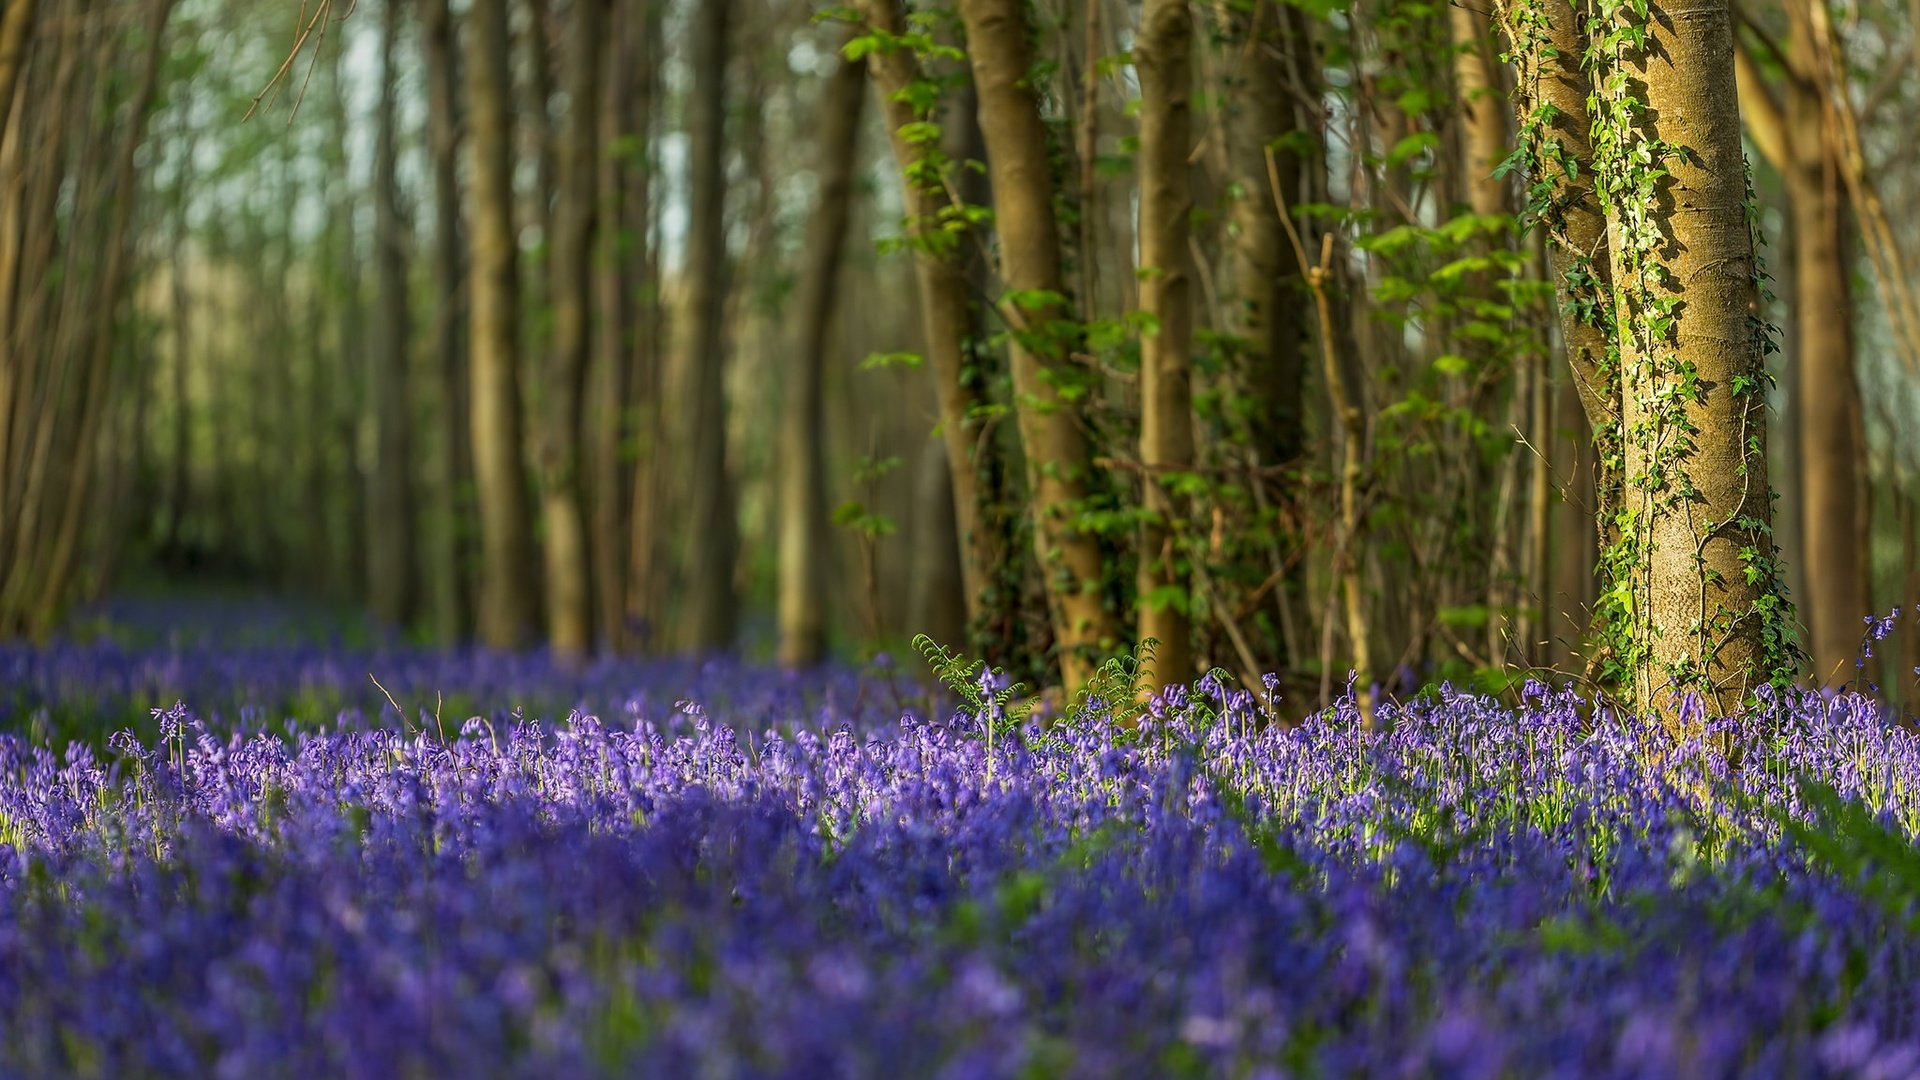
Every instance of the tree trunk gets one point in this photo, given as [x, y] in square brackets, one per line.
[942, 253]
[1483, 123]
[16, 34]
[180, 487]
[391, 560]
[55, 578]
[624, 128]
[1549, 43]
[648, 556]
[1056, 449]
[938, 605]
[711, 539]
[507, 597]
[1163, 57]
[1800, 135]
[1909, 667]
[1575, 529]
[802, 465]
[1267, 312]
[1831, 459]
[1706, 607]
[451, 586]
[569, 599]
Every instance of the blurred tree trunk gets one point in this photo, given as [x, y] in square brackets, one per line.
[625, 99]
[938, 603]
[47, 119]
[943, 244]
[180, 487]
[648, 556]
[1909, 668]
[346, 397]
[711, 538]
[1575, 529]
[450, 567]
[1552, 100]
[1483, 121]
[392, 563]
[1056, 449]
[568, 562]
[507, 596]
[1264, 307]
[1163, 56]
[16, 34]
[534, 106]
[65, 461]
[1796, 132]
[1705, 596]
[802, 463]
[1266, 310]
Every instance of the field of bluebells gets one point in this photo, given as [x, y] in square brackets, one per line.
[713, 870]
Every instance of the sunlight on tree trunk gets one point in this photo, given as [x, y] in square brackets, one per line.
[1705, 600]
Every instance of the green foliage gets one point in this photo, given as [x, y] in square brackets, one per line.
[985, 693]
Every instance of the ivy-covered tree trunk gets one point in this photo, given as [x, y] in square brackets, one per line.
[999, 49]
[1547, 46]
[1163, 56]
[1706, 613]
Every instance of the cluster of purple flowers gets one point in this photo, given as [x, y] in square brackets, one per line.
[1479, 890]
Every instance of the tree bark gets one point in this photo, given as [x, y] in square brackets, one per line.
[1575, 532]
[568, 562]
[180, 487]
[1909, 667]
[625, 109]
[1553, 90]
[16, 34]
[1483, 123]
[802, 465]
[941, 260]
[1163, 56]
[451, 586]
[1831, 460]
[1056, 450]
[648, 557]
[711, 540]
[1268, 305]
[391, 560]
[1799, 134]
[55, 577]
[1705, 599]
[507, 596]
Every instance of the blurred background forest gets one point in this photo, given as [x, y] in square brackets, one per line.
[650, 326]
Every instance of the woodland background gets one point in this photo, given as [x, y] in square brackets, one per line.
[664, 327]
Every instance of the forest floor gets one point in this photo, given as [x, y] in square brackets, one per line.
[229, 851]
